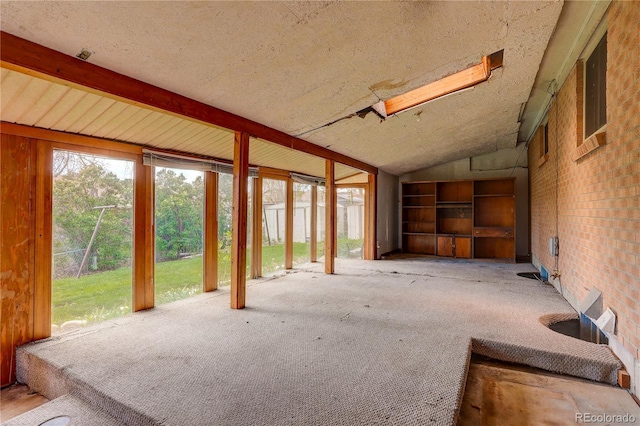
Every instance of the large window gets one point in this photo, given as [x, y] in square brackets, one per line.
[595, 90]
[225, 225]
[301, 223]
[179, 224]
[273, 225]
[92, 239]
[350, 222]
[225, 222]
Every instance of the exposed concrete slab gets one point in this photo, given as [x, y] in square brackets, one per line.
[383, 342]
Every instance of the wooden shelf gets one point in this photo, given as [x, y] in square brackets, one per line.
[454, 205]
[496, 232]
[464, 218]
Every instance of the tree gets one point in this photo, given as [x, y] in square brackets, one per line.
[76, 195]
[179, 214]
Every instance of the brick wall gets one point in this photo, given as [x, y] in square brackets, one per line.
[599, 194]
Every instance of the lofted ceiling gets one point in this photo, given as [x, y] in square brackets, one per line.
[298, 66]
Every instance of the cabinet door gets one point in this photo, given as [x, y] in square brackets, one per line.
[445, 246]
[451, 246]
[462, 247]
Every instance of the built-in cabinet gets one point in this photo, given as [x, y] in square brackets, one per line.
[462, 219]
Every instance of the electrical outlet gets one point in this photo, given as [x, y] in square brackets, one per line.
[554, 246]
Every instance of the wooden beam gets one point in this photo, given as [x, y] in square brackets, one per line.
[288, 230]
[239, 220]
[256, 234]
[210, 258]
[42, 61]
[43, 240]
[370, 214]
[313, 226]
[330, 218]
[143, 238]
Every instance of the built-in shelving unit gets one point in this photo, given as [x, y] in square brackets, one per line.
[463, 219]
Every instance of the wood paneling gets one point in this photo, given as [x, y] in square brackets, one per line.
[17, 222]
[494, 187]
[489, 248]
[455, 191]
[23, 55]
[419, 244]
[239, 220]
[210, 264]
[331, 214]
[494, 211]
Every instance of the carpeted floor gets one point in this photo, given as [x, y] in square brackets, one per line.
[385, 342]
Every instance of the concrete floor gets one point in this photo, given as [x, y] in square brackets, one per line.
[385, 342]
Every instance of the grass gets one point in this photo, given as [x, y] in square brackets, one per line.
[101, 296]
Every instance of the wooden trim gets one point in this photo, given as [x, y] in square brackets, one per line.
[87, 142]
[210, 258]
[313, 225]
[288, 230]
[624, 379]
[256, 244]
[370, 208]
[144, 236]
[270, 173]
[43, 241]
[330, 218]
[18, 52]
[239, 221]
[352, 185]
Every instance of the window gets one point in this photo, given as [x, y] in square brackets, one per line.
[92, 239]
[595, 89]
[591, 93]
[179, 225]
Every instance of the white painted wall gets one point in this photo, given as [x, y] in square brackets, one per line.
[388, 207]
[504, 163]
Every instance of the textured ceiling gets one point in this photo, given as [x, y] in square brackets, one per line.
[296, 66]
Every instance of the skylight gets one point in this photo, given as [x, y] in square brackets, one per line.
[461, 80]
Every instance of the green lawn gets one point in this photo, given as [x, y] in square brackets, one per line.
[98, 297]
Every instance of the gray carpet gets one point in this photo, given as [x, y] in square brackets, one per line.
[385, 342]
